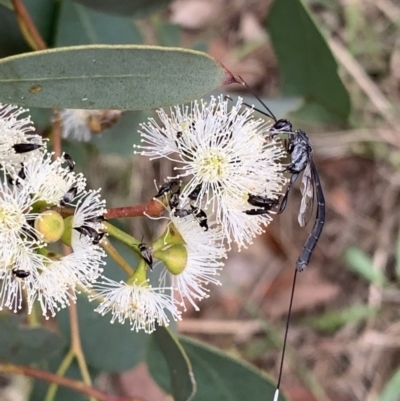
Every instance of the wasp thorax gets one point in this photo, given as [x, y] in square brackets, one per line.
[50, 225]
[174, 257]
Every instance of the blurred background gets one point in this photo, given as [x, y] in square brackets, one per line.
[344, 340]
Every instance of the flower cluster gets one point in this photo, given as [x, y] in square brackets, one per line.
[33, 189]
[228, 181]
[233, 180]
[230, 163]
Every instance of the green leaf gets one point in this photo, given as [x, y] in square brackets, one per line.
[307, 65]
[78, 25]
[168, 34]
[25, 345]
[391, 392]
[40, 387]
[6, 4]
[137, 8]
[109, 77]
[359, 262]
[169, 364]
[107, 347]
[218, 376]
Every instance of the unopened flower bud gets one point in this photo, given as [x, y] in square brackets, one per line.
[174, 257]
[50, 225]
[66, 237]
[139, 277]
[171, 236]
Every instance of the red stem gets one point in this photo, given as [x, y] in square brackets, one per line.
[60, 380]
[153, 208]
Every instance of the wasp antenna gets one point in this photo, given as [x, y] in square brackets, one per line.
[269, 113]
[285, 337]
[257, 110]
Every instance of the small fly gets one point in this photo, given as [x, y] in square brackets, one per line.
[147, 254]
[264, 204]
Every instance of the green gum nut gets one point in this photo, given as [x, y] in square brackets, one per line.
[171, 236]
[175, 258]
[66, 237]
[50, 225]
[140, 275]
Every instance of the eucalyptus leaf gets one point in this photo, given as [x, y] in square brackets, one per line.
[170, 366]
[137, 8]
[168, 34]
[40, 388]
[109, 77]
[25, 345]
[107, 347]
[78, 25]
[42, 13]
[307, 65]
[6, 4]
[218, 376]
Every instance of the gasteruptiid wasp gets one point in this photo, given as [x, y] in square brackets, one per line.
[301, 161]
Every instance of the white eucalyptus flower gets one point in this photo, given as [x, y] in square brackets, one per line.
[28, 268]
[19, 273]
[142, 305]
[223, 155]
[51, 282]
[75, 124]
[204, 250]
[18, 142]
[50, 180]
[16, 219]
[80, 125]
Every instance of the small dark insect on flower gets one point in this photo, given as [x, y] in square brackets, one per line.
[70, 162]
[91, 233]
[174, 199]
[20, 273]
[25, 147]
[182, 212]
[195, 193]
[95, 219]
[147, 254]
[21, 175]
[167, 187]
[265, 204]
[200, 216]
[69, 196]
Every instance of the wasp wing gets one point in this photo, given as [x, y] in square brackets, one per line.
[307, 192]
